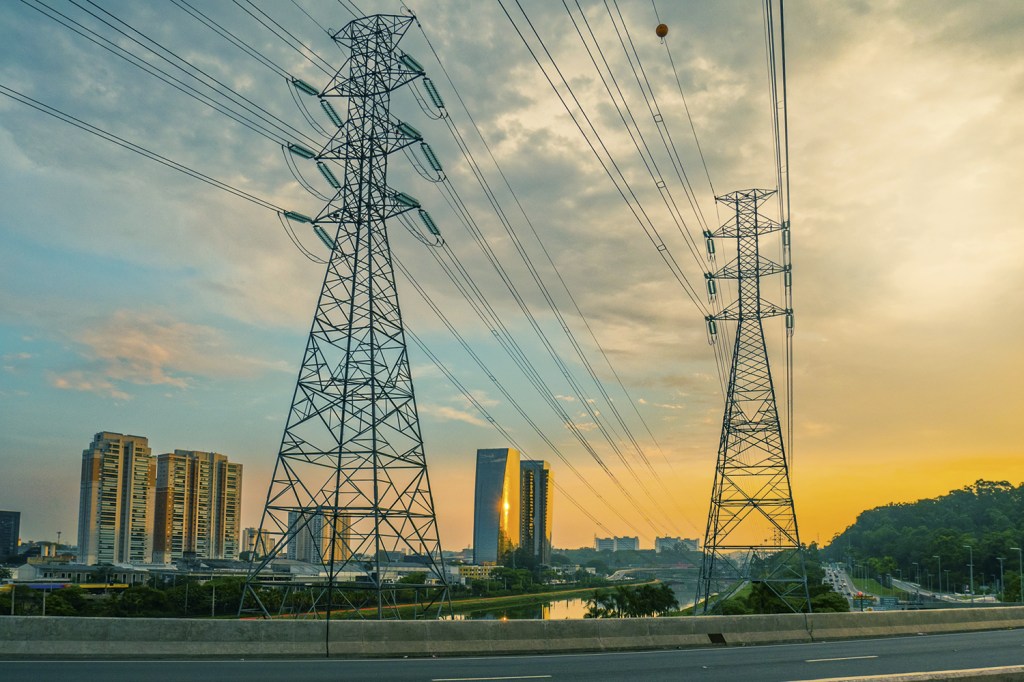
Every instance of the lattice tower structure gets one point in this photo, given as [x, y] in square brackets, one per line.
[752, 532]
[351, 476]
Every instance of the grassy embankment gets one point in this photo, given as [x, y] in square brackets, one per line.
[872, 586]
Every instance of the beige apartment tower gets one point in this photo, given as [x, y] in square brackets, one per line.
[115, 509]
[198, 506]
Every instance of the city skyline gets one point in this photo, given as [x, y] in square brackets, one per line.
[135, 299]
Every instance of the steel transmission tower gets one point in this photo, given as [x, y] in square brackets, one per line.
[752, 530]
[350, 492]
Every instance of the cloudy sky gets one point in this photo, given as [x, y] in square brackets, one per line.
[136, 299]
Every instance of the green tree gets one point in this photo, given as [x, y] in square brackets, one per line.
[632, 602]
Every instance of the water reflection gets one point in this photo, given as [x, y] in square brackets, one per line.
[557, 609]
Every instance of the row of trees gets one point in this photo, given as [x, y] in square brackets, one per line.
[219, 596]
[632, 602]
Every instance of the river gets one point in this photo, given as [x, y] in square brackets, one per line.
[558, 609]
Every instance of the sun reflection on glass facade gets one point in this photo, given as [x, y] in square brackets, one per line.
[496, 507]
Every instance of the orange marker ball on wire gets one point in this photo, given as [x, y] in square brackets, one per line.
[662, 30]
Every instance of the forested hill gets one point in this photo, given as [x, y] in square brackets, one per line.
[988, 516]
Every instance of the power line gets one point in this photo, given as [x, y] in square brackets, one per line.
[149, 154]
[644, 151]
[508, 396]
[537, 236]
[231, 37]
[472, 399]
[618, 178]
[306, 50]
[218, 87]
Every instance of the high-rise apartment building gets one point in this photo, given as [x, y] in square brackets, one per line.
[198, 506]
[10, 529]
[312, 541]
[536, 494]
[255, 541]
[115, 510]
[496, 504]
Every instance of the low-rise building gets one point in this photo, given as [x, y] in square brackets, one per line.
[474, 572]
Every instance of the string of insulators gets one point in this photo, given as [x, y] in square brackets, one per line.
[410, 63]
[409, 131]
[789, 320]
[320, 232]
[305, 87]
[431, 157]
[432, 92]
[787, 275]
[328, 175]
[712, 286]
[331, 113]
[297, 217]
[709, 244]
[712, 329]
[429, 222]
[403, 198]
[299, 150]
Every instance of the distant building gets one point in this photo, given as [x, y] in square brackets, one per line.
[473, 572]
[496, 505]
[255, 540]
[198, 506]
[536, 494]
[312, 541]
[627, 544]
[675, 544]
[115, 510]
[617, 544]
[10, 531]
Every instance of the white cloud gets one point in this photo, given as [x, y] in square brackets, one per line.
[146, 349]
[447, 413]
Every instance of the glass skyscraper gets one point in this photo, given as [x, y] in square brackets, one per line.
[536, 495]
[496, 506]
[10, 527]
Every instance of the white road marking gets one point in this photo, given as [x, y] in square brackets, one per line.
[843, 658]
[477, 679]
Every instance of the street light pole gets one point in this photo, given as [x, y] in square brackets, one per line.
[1020, 567]
[917, 573]
[971, 566]
[936, 556]
[1002, 588]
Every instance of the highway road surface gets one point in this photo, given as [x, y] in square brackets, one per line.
[764, 664]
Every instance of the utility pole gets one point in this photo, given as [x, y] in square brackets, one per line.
[751, 499]
[350, 491]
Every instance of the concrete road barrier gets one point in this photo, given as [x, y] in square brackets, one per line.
[50, 637]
